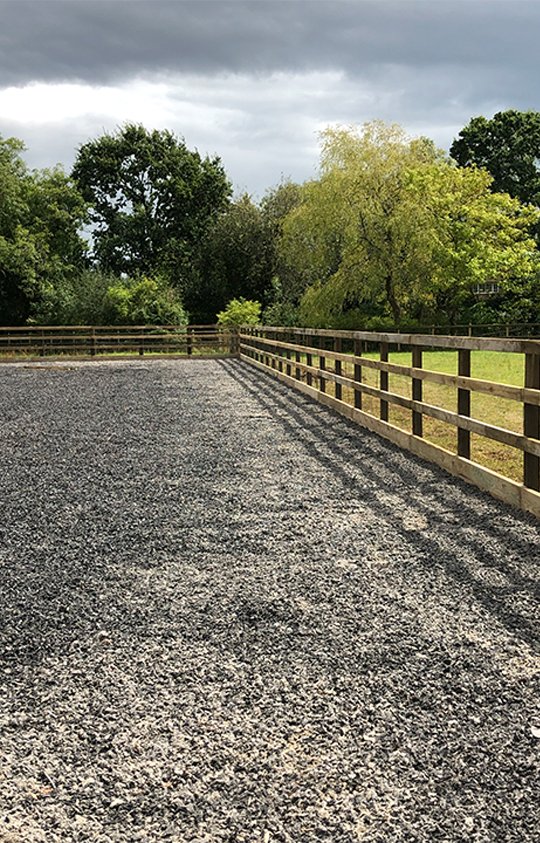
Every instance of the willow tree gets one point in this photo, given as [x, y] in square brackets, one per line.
[391, 223]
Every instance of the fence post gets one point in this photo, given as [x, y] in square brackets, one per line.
[309, 361]
[288, 355]
[464, 403]
[338, 368]
[383, 380]
[322, 365]
[298, 358]
[234, 339]
[93, 346]
[358, 374]
[189, 341]
[417, 418]
[531, 423]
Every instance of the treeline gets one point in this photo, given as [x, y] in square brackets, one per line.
[393, 233]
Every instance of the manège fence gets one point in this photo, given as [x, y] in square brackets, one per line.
[351, 371]
[441, 415]
[114, 340]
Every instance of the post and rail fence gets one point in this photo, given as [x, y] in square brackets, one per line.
[530, 330]
[321, 362]
[115, 340]
[353, 373]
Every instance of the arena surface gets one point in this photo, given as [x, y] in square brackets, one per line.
[228, 614]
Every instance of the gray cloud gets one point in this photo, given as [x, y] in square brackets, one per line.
[108, 40]
[254, 81]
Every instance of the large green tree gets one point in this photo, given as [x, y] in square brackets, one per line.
[41, 213]
[393, 228]
[508, 146]
[151, 200]
[236, 260]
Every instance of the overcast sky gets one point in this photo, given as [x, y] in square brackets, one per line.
[254, 81]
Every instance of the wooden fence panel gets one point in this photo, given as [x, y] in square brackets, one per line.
[92, 341]
[311, 345]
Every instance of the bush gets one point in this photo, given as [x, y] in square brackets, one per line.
[145, 302]
[79, 300]
[240, 312]
[281, 313]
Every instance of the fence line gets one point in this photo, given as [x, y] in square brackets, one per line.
[331, 366]
[314, 360]
[486, 329]
[115, 340]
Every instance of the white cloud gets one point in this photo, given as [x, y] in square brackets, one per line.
[263, 126]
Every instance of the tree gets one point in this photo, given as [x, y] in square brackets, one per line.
[508, 146]
[151, 200]
[236, 260]
[289, 281]
[392, 229]
[41, 213]
[357, 231]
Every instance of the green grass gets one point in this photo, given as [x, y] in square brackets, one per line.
[499, 367]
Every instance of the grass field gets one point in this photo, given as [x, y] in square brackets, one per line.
[499, 367]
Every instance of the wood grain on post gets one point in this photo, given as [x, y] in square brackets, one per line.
[309, 362]
[358, 374]
[288, 355]
[464, 404]
[384, 380]
[531, 423]
[337, 363]
[417, 418]
[322, 367]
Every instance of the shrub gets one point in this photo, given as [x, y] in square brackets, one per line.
[144, 302]
[240, 312]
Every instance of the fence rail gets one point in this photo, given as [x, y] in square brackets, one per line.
[316, 361]
[489, 329]
[114, 340]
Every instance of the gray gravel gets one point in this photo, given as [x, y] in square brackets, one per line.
[231, 615]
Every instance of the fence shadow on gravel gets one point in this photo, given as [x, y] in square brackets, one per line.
[458, 515]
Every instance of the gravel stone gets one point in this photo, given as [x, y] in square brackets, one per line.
[229, 614]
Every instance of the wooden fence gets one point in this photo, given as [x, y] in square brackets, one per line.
[315, 361]
[529, 330]
[91, 341]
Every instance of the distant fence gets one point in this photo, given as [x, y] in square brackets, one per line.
[314, 361]
[481, 329]
[114, 340]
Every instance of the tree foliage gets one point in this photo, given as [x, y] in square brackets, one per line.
[392, 229]
[237, 260]
[40, 247]
[151, 200]
[147, 301]
[240, 312]
[508, 146]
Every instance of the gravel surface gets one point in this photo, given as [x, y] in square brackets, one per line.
[230, 615]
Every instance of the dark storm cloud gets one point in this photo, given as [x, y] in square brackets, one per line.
[100, 41]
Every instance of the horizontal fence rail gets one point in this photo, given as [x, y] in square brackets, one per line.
[113, 340]
[483, 329]
[333, 367]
